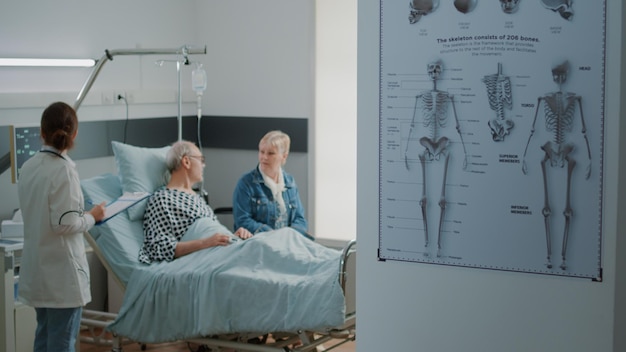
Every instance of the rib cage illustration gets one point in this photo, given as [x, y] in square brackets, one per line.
[434, 110]
[560, 117]
[500, 98]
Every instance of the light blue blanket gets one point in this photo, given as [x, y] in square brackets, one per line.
[275, 281]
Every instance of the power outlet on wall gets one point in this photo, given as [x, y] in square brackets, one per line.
[120, 96]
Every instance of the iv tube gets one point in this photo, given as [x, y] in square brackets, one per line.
[198, 83]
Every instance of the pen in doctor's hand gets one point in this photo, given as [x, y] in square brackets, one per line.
[90, 202]
[98, 211]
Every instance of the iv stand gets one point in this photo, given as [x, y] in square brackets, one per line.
[198, 80]
[109, 54]
[179, 117]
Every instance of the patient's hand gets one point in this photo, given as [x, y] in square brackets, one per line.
[186, 247]
[218, 239]
[243, 233]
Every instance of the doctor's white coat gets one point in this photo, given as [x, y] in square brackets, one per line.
[54, 272]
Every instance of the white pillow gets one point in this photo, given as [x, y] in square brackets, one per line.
[140, 170]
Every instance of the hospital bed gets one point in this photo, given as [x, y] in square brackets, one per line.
[207, 299]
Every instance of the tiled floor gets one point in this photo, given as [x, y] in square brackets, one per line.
[191, 347]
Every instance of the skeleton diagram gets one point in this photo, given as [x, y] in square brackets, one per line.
[563, 7]
[559, 108]
[509, 6]
[433, 104]
[421, 8]
[500, 98]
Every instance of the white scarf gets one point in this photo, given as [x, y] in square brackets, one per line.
[276, 188]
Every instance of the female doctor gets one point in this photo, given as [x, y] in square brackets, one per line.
[54, 274]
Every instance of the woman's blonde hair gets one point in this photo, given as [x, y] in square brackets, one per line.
[277, 139]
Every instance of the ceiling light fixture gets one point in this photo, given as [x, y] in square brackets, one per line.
[23, 62]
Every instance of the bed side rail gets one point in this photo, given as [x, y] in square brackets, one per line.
[348, 250]
[96, 249]
[347, 278]
[95, 321]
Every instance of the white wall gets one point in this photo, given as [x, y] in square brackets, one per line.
[77, 29]
[258, 58]
[409, 306]
[258, 62]
[334, 126]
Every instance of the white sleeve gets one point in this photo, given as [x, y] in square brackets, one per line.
[66, 204]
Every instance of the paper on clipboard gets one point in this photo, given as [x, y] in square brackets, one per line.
[122, 203]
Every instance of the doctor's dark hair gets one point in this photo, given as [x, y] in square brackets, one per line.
[59, 123]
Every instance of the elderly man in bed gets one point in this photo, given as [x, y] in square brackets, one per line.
[173, 209]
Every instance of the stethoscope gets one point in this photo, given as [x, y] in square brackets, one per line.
[80, 211]
[52, 152]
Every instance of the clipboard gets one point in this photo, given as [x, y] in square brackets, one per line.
[122, 203]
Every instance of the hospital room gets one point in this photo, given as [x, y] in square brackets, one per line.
[221, 74]
[257, 67]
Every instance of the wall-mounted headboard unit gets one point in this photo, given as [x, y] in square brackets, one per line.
[94, 137]
[25, 142]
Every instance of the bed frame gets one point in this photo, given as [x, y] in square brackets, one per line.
[95, 322]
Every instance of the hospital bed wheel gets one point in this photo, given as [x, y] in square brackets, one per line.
[143, 347]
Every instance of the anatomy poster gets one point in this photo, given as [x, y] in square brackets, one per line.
[491, 134]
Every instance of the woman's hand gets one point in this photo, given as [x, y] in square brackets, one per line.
[98, 211]
[243, 233]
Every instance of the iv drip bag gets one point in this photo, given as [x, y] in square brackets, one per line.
[198, 79]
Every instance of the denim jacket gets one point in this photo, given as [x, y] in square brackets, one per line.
[255, 209]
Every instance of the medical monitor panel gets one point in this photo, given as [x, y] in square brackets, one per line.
[25, 142]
